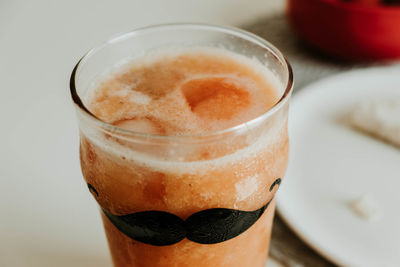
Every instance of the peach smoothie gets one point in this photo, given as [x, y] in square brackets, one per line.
[208, 202]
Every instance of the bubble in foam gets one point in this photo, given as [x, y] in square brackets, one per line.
[142, 125]
[245, 188]
[139, 98]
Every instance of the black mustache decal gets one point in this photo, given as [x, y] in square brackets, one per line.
[209, 226]
[161, 228]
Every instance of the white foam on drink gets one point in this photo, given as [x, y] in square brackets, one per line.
[178, 165]
[178, 113]
[245, 188]
[134, 96]
[140, 98]
[173, 107]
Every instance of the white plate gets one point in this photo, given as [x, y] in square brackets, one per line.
[331, 164]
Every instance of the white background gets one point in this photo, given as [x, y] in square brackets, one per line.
[47, 216]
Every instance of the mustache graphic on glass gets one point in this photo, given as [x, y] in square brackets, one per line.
[210, 226]
[183, 143]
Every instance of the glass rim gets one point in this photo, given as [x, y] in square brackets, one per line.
[225, 29]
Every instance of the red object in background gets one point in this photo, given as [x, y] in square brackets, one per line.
[365, 2]
[348, 30]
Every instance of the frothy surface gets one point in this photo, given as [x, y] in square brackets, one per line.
[184, 91]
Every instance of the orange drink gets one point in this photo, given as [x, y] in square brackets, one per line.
[184, 143]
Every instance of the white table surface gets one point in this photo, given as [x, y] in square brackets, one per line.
[44, 203]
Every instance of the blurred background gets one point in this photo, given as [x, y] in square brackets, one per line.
[48, 218]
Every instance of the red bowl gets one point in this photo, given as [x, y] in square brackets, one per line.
[353, 31]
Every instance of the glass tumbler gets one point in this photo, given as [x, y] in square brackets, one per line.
[190, 199]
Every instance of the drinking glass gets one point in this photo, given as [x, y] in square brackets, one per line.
[191, 199]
